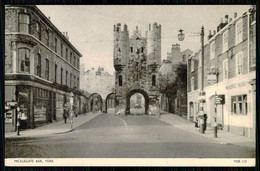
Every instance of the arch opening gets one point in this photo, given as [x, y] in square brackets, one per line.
[137, 102]
[110, 103]
[95, 103]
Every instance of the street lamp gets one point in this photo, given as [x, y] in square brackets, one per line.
[202, 94]
[181, 37]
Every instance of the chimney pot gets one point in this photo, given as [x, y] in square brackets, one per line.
[226, 18]
[214, 32]
[235, 15]
[209, 32]
[221, 20]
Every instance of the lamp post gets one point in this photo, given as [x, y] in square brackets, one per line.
[181, 37]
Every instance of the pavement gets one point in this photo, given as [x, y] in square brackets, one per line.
[58, 127]
[223, 137]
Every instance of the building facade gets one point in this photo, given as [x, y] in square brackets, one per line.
[230, 73]
[177, 105]
[41, 66]
[137, 61]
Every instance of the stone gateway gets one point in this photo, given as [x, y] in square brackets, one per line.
[137, 62]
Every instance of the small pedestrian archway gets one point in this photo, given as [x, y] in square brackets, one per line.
[95, 102]
[164, 102]
[131, 93]
[110, 101]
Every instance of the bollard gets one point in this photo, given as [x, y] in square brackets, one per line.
[215, 130]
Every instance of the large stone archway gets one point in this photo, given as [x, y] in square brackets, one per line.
[95, 102]
[109, 96]
[132, 92]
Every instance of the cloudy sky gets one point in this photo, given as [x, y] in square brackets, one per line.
[90, 27]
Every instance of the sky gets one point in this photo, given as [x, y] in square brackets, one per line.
[90, 27]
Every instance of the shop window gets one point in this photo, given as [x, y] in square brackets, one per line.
[39, 65]
[120, 80]
[47, 69]
[24, 23]
[239, 105]
[24, 60]
[153, 80]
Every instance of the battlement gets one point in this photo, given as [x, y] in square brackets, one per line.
[176, 45]
[156, 26]
[117, 27]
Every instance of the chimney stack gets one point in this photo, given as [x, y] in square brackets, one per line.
[214, 32]
[210, 35]
[221, 20]
[235, 15]
[226, 18]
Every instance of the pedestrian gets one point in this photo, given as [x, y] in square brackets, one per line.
[65, 112]
[196, 120]
[71, 114]
[205, 117]
[201, 119]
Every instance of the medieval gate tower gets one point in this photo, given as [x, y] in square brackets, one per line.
[137, 61]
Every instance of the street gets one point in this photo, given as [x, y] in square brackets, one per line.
[109, 136]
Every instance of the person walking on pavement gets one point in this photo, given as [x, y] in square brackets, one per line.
[205, 117]
[65, 112]
[201, 119]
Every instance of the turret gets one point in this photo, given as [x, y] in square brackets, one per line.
[154, 44]
[121, 46]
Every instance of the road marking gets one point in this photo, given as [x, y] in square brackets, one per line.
[122, 120]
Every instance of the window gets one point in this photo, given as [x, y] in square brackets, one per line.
[47, 69]
[61, 49]
[67, 53]
[239, 63]
[120, 80]
[239, 105]
[192, 83]
[48, 37]
[142, 49]
[66, 77]
[239, 31]
[55, 45]
[131, 49]
[78, 82]
[74, 81]
[153, 80]
[38, 30]
[56, 68]
[24, 60]
[70, 80]
[225, 41]
[183, 58]
[24, 22]
[119, 52]
[70, 57]
[61, 75]
[74, 61]
[225, 69]
[212, 50]
[192, 65]
[39, 65]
